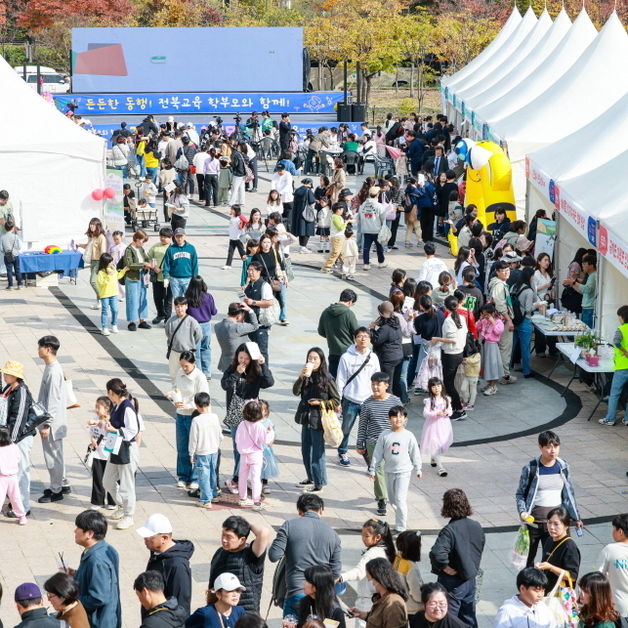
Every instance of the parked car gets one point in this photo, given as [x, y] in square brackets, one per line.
[52, 81]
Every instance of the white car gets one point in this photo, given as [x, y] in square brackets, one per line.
[53, 82]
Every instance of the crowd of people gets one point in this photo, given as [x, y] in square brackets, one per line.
[433, 336]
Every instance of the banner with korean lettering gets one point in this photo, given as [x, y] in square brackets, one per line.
[613, 247]
[173, 104]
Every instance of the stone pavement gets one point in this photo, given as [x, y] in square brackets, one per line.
[489, 451]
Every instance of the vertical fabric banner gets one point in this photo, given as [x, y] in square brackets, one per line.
[114, 207]
[545, 237]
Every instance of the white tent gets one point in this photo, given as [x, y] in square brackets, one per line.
[582, 94]
[475, 95]
[49, 165]
[491, 101]
[500, 39]
[485, 71]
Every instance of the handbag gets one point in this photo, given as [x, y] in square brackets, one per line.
[182, 163]
[233, 418]
[562, 603]
[249, 176]
[268, 315]
[88, 460]
[275, 284]
[332, 428]
[384, 234]
[70, 397]
[309, 213]
[9, 256]
[37, 415]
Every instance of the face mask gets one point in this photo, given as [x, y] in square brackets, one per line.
[371, 587]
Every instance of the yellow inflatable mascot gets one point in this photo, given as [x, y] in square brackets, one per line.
[488, 180]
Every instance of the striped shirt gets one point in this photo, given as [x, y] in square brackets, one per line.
[374, 419]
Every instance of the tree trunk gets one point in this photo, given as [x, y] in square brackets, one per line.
[320, 75]
[412, 80]
[396, 79]
[420, 91]
[331, 78]
[367, 90]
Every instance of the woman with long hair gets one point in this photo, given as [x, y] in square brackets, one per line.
[596, 598]
[338, 179]
[178, 207]
[405, 316]
[316, 387]
[255, 226]
[320, 597]
[119, 477]
[202, 308]
[273, 262]
[389, 596]
[463, 259]
[525, 295]
[95, 246]
[453, 340]
[242, 381]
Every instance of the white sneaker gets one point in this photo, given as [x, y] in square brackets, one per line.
[114, 329]
[304, 249]
[125, 523]
[181, 484]
[490, 391]
[259, 507]
[116, 514]
[225, 267]
[193, 486]
[105, 332]
[205, 505]
[95, 507]
[366, 267]
[383, 265]
[245, 503]
[96, 306]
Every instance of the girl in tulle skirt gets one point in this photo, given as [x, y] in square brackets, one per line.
[437, 435]
[270, 468]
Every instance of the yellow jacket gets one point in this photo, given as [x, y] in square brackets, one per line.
[107, 282]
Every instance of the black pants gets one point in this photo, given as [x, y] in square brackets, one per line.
[541, 341]
[162, 298]
[538, 535]
[98, 490]
[177, 222]
[233, 245]
[287, 212]
[393, 370]
[303, 240]
[427, 224]
[200, 181]
[332, 362]
[451, 362]
[211, 189]
[253, 167]
[393, 230]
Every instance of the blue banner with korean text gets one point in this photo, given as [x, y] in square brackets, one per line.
[107, 104]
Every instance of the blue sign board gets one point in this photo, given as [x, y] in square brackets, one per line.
[552, 191]
[202, 102]
[592, 231]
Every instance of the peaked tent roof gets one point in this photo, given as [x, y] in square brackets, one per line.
[568, 103]
[536, 56]
[522, 31]
[474, 95]
[556, 63]
[501, 38]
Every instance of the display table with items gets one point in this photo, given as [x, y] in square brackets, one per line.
[599, 364]
[45, 268]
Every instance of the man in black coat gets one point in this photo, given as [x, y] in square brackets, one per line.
[157, 610]
[284, 132]
[171, 558]
[28, 601]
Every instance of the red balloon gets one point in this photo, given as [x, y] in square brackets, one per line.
[109, 192]
[97, 195]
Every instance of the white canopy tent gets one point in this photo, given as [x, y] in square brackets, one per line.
[492, 64]
[49, 164]
[476, 94]
[501, 38]
[492, 99]
[568, 103]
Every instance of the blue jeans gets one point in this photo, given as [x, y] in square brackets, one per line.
[281, 297]
[124, 170]
[523, 336]
[178, 286]
[369, 239]
[12, 267]
[418, 355]
[461, 597]
[620, 379]
[587, 316]
[204, 349]
[110, 304]
[236, 453]
[136, 301]
[152, 172]
[350, 412]
[185, 472]
[291, 604]
[403, 380]
[313, 453]
[140, 161]
[205, 468]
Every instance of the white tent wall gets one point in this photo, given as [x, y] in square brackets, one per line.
[50, 165]
[612, 294]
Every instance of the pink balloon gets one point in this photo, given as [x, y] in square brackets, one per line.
[109, 192]
[97, 195]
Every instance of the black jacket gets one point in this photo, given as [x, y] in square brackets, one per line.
[246, 390]
[387, 340]
[19, 403]
[166, 615]
[238, 164]
[174, 566]
[38, 618]
[565, 555]
[148, 126]
[459, 545]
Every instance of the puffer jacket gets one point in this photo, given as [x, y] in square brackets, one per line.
[387, 339]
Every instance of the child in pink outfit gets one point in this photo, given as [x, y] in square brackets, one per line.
[437, 435]
[9, 464]
[490, 328]
[251, 437]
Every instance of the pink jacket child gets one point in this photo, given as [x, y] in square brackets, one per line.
[251, 437]
[490, 328]
[9, 464]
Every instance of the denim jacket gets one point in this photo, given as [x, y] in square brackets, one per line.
[526, 491]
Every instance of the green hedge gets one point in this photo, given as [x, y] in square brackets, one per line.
[16, 55]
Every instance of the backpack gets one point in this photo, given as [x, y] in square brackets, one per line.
[119, 266]
[518, 314]
[571, 300]
[471, 346]
[279, 590]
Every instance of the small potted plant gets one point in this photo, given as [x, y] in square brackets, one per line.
[589, 342]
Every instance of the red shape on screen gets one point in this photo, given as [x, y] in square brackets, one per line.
[106, 60]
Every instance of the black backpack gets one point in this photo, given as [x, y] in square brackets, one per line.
[518, 314]
[119, 266]
[279, 590]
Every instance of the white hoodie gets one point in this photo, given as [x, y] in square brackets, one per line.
[359, 389]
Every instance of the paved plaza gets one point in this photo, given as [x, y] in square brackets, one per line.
[490, 447]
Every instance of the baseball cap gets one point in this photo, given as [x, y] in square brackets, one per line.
[227, 582]
[510, 257]
[281, 166]
[155, 524]
[179, 231]
[345, 192]
[29, 591]
[307, 181]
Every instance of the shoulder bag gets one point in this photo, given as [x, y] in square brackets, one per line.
[10, 256]
[354, 375]
[268, 316]
[233, 417]
[124, 453]
[173, 335]
[309, 213]
[561, 601]
[275, 284]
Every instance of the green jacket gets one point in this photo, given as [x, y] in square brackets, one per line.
[132, 260]
[337, 324]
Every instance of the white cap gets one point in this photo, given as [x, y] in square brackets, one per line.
[227, 582]
[155, 524]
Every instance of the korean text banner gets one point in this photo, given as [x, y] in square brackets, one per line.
[210, 59]
[106, 104]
